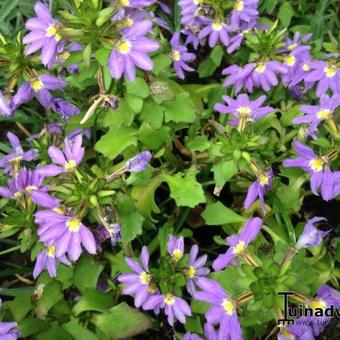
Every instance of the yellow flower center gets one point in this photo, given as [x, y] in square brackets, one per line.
[191, 271]
[316, 164]
[70, 165]
[73, 224]
[144, 278]
[239, 248]
[318, 304]
[306, 67]
[128, 22]
[330, 71]
[36, 85]
[239, 5]
[228, 306]
[290, 60]
[291, 47]
[169, 299]
[177, 254]
[64, 55]
[59, 210]
[217, 26]
[52, 31]
[17, 194]
[31, 187]
[244, 111]
[324, 114]
[263, 179]
[176, 55]
[124, 46]
[260, 68]
[15, 159]
[198, 2]
[125, 3]
[50, 251]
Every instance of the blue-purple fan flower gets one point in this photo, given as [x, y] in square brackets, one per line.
[258, 189]
[66, 232]
[175, 247]
[238, 243]
[315, 114]
[131, 51]
[5, 106]
[46, 259]
[174, 307]
[321, 176]
[8, 330]
[44, 35]
[29, 184]
[139, 162]
[326, 75]
[311, 236]
[12, 161]
[135, 3]
[64, 108]
[243, 11]
[139, 283]
[195, 269]
[66, 160]
[216, 31]
[180, 56]
[223, 309]
[244, 110]
[308, 328]
[39, 87]
[262, 75]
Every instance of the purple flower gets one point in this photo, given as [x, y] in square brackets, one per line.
[296, 44]
[8, 330]
[195, 269]
[191, 336]
[180, 56]
[222, 311]
[67, 160]
[47, 259]
[189, 10]
[311, 236]
[44, 35]
[238, 243]
[258, 189]
[216, 31]
[5, 107]
[54, 129]
[310, 327]
[244, 110]
[139, 162]
[139, 283]
[314, 114]
[175, 247]
[11, 161]
[316, 167]
[174, 307]
[64, 108]
[29, 184]
[131, 51]
[40, 87]
[326, 75]
[66, 232]
[244, 11]
[135, 3]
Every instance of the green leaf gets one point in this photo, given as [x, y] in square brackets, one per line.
[138, 87]
[78, 332]
[185, 190]
[218, 214]
[180, 109]
[50, 296]
[153, 139]
[216, 55]
[286, 13]
[136, 103]
[30, 326]
[56, 332]
[116, 141]
[86, 273]
[93, 300]
[102, 55]
[152, 113]
[223, 171]
[130, 219]
[122, 321]
[160, 62]
[21, 305]
[206, 68]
